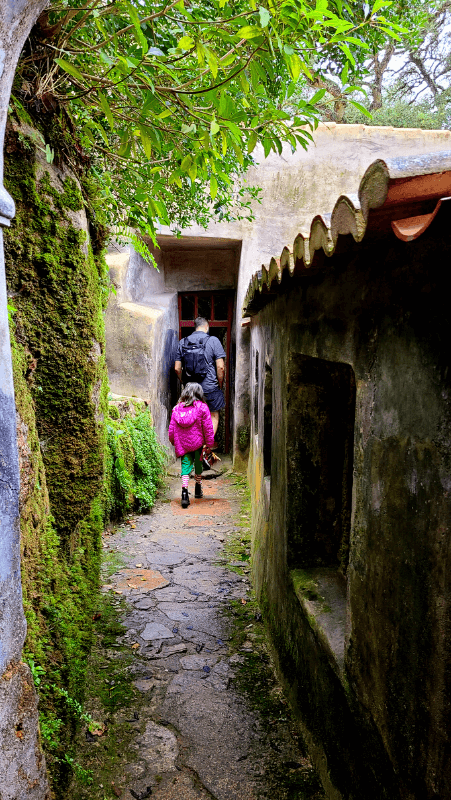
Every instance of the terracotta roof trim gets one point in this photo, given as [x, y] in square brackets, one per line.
[391, 181]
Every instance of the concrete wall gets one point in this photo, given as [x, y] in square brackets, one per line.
[141, 328]
[362, 636]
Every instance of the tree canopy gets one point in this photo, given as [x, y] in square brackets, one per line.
[168, 98]
[408, 80]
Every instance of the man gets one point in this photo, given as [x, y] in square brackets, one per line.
[214, 356]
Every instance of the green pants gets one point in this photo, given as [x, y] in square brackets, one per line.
[192, 458]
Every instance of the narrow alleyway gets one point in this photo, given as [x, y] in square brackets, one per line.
[184, 693]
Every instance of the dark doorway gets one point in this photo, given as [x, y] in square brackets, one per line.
[217, 308]
[320, 443]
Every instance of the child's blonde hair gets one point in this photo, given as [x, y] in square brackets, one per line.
[192, 392]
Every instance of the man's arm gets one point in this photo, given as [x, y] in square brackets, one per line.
[219, 371]
[178, 369]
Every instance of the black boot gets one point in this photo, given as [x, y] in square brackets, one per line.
[185, 498]
[198, 493]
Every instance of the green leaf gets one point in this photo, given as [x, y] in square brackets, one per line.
[70, 69]
[225, 62]
[244, 83]
[186, 163]
[141, 39]
[344, 73]
[145, 140]
[349, 89]
[249, 32]
[192, 172]
[214, 127]
[106, 109]
[294, 65]
[185, 43]
[267, 145]
[361, 108]
[175, 178]
[252, 141]
[347, 53]
[358, 42]
[234, 129]
[102, 132]
[238, 152]
[265, 16]
[212, 62]
[213, 187]
[224, 143]
[201, 53]
[380, 4]
[166, 113]
[317, 97]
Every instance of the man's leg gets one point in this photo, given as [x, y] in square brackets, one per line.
[215, 420]
[198, 469]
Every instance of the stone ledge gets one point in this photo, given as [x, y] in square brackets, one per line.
[322, 594]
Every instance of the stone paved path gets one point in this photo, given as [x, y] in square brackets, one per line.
[196, 736]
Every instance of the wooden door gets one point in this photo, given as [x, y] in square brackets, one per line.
[217, 309]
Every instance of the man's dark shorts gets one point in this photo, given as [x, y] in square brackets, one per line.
[214, 400]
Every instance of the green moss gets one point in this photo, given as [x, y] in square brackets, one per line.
[244, 437]
[304, 585]
[52, 273]
[61, 398]
[59, 592]
[57, 283]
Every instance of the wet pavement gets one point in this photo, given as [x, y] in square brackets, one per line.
[196, 734]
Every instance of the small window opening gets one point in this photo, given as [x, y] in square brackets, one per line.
[267, 421]
[320, 439]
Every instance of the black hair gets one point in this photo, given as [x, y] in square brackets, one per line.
[200, 322]
[192, 392]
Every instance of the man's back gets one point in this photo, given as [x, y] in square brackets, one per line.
[213, 350]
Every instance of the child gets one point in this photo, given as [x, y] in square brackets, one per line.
[190, 428]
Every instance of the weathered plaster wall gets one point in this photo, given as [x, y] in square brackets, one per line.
[141, 327]
[378, 715]
[197, 269]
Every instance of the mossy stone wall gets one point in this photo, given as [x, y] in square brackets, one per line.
[56, 289]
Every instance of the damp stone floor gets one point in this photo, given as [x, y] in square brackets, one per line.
[182, 695]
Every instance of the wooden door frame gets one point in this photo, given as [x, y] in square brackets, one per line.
[214, 324]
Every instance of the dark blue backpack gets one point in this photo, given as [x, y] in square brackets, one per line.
[195, 364]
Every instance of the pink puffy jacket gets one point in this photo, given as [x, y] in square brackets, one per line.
[190, 428]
